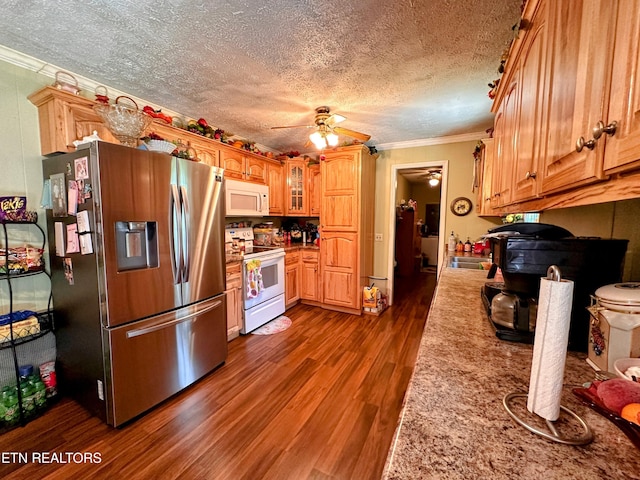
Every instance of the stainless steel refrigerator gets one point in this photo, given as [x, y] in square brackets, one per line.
[144, 315]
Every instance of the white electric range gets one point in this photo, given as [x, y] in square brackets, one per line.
[262, 279]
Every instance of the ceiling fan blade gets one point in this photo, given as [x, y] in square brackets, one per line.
[352, 133]
[294, 126]
[334, 118]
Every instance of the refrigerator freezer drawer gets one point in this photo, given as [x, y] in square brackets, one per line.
[155, 358]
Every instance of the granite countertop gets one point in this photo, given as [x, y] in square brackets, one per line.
[454, 425]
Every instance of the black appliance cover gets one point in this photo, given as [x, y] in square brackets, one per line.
[590, 262]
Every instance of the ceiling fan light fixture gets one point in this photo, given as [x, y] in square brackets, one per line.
[318, 140]
[433, 181]
[332, 139]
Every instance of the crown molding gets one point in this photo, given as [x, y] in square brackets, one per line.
[425, 142]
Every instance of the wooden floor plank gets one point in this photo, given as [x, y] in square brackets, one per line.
[320, 400]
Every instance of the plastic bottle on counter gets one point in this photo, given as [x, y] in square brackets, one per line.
[467, 245]
[25, 372]
[11, 411]
[452, 242]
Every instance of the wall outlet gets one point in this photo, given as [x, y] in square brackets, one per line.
[378, 237]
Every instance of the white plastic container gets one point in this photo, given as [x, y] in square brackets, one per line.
[614, 330]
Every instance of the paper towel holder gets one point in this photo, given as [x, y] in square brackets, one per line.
[554, 435]
[553, 274]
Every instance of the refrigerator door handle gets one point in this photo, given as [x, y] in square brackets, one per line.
[186, 228]
[174, 233]
[154, 328]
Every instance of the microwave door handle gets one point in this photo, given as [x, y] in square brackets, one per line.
[184, 230]
[174, 225]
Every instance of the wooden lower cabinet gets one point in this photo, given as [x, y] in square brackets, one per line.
[309, 268]
[339, 256]
[234, 299]
[291, 278]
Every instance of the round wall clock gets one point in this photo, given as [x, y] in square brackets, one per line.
[461, 206]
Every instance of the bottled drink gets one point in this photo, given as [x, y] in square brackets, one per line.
[39, 391]
[452, 242]
[28, 397]
[467, 245]
[10, 403]
[25, 371]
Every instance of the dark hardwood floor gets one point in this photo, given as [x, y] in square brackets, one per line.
[320, 400]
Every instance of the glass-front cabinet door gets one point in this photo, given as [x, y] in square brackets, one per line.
[296, 201]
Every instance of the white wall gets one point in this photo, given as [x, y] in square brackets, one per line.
[21, 173]
[459, 184]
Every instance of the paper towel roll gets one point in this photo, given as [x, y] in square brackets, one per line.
[550, 348]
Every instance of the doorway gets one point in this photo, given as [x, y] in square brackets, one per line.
[396, 172]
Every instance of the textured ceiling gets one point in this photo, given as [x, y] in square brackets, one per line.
[400, 71]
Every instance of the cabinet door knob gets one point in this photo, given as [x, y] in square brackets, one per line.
[599, 129]
[530, 175]
[580, 144]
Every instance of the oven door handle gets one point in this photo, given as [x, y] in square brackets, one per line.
[266, 258]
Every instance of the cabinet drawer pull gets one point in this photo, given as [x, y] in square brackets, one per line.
[530, 175]
[599, 129]
[580, 144]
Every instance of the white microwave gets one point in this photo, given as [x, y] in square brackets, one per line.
[246, 199]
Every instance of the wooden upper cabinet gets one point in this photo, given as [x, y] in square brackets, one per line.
[579, 59]
[206, 151]
[256, 169]
[485, 171]
[340, 201]
[276, 182]
[64, 118]
[242, 166]
[529, 115]
[315, 190]
[504, 135]
[296, 196]
[232, 160]
[622, 149]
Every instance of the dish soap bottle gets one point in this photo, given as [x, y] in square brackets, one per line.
[452, 242]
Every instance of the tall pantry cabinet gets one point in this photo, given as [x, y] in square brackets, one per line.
[346, 223]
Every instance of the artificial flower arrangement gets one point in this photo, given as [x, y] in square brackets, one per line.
[410, 205]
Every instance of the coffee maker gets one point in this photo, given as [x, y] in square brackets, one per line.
[524, 252]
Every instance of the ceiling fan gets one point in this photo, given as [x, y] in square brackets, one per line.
[327, 132]
[434, 177]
